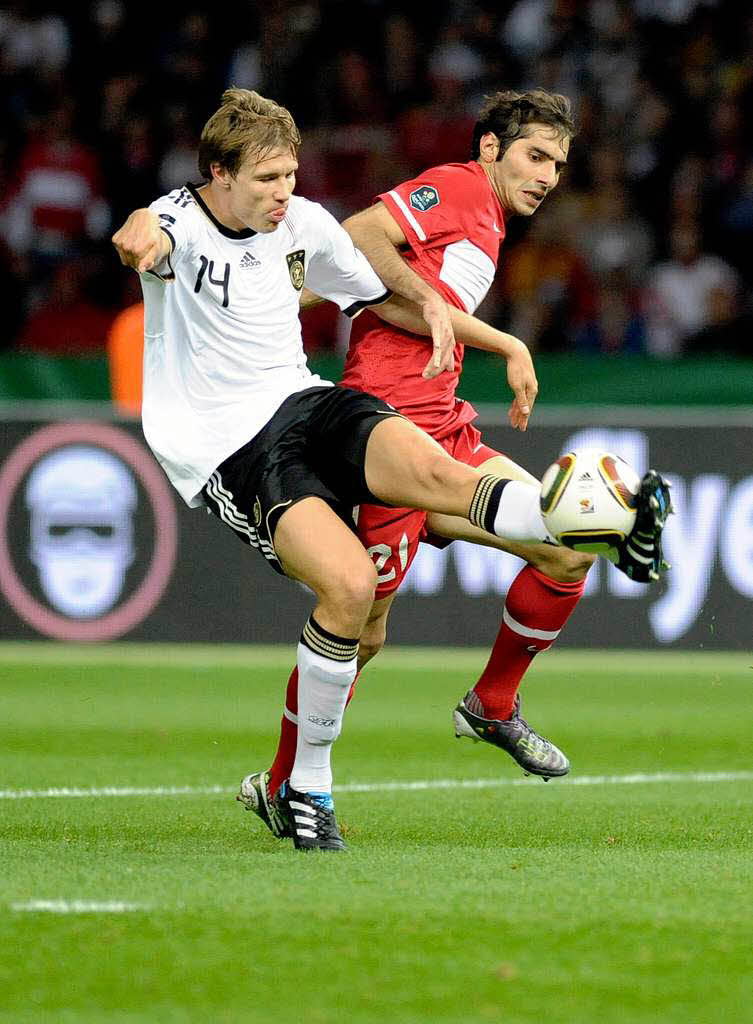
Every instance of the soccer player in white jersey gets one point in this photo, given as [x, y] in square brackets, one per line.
[240, 424]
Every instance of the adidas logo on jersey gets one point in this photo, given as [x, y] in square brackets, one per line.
[249, 260]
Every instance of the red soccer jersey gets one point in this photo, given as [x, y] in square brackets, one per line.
[454, 225]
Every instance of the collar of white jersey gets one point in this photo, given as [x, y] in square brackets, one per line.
[222, 228]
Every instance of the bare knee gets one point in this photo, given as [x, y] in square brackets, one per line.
[354, 588]
[346, 596]
[562, 564]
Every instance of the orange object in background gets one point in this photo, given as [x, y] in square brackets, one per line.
[125, 352]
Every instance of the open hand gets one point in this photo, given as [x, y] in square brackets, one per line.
[521, 377]
[437, 316]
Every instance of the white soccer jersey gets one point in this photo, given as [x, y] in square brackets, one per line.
[222, 336]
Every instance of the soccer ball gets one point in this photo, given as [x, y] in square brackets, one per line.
[588, 500]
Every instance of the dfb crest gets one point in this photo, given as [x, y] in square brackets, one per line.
[296, 264]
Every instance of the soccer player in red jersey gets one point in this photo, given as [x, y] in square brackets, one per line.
[446, 226]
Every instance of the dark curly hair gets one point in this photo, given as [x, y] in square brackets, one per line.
[507, 114]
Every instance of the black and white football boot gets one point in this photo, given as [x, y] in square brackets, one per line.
[312, 819]
[640, 554]
[255, 796]
[534, 754]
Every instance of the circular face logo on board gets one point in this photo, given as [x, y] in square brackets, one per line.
[88, 531]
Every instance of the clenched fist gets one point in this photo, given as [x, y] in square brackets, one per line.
[141, 243]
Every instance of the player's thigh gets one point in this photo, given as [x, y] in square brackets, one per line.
[404, 466]
[316, 547]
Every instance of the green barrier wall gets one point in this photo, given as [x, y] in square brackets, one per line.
[28, 376]
[563, 380]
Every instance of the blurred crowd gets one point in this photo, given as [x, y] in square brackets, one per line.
[644, 248]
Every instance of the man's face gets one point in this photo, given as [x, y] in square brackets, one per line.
[261, 190]
[530, 168]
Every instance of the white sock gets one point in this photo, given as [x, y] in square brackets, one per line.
[327, 666]
[518, 515]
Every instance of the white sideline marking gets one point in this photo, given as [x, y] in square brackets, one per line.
[577, 780]
[74, 791]
[77, 907]
[388, 787]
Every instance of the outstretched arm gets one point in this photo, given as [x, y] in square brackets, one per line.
[521, 375]
[379, 237]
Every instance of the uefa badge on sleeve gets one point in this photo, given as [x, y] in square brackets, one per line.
[296, 268]
[424, 198]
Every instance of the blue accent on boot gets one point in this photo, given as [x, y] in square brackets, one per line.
[323, 799]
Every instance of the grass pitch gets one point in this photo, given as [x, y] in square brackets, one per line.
[621, 894]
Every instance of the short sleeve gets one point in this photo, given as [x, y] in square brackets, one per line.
[433, 209]
[338, 271]
[174, 221]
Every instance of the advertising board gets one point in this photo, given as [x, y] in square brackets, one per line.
[95, 545]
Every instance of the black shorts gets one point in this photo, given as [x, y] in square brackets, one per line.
[314, 445]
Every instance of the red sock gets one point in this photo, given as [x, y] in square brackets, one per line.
[282, 765]
[536, 609]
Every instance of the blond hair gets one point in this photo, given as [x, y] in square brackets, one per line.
[245, 123]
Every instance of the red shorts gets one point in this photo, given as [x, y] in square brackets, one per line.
[392, 535]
